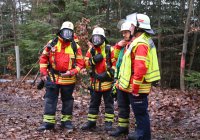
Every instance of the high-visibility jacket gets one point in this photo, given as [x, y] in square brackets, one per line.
[100, 67]
[118, 54]
[139, 66]
[61, 59]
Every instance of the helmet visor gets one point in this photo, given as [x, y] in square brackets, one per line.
[132, 18]
[97, 40]
[66, 34]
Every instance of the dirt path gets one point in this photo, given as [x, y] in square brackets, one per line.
[174, 115]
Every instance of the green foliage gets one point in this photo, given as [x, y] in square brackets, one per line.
[74, 10]
[34, 35]
[193, 79]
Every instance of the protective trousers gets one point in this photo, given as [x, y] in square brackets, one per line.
[95, 103]
[51, 100]
[139, 105]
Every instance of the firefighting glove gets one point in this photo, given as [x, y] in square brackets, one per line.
[112, 72]
[114, 92]
[105, 76]
[49, 84]
[40, 85]
[96, 59]
[90, 88]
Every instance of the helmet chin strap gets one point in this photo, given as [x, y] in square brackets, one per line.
[97, 46]
[131, 36]
[137, 30]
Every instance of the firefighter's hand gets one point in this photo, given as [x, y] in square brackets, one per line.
[122, 43]
[103, 76]
[135, 94]
[66, 74]
[112, 72]
[97, 58]
[44, 77]
[40, 85]
[114, 92]
[134, 91]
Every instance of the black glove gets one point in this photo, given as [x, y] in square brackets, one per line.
[40, 85]
[96, 59]
[112, 72]
[114, 92]
[49, 84]
[91, 90]
[105, 76]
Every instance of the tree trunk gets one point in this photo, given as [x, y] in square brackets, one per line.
[182, 7]
[2, 30]
[194, 46]
[21, 11]
[159, 39]
[108, 11]
[14, 17]
[49, 17]
[184, 50]
[120, 9]
[2, 49]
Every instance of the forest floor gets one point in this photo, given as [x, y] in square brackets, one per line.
[175, 115]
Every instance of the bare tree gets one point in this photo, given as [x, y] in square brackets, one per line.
[159, 37]
[14, 17]
[194, 46]
[184, 50]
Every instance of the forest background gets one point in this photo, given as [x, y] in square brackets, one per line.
[30, 24]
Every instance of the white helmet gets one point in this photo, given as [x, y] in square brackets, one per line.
[68, 25]
[141, 21]
[98, 31]
[125, 26]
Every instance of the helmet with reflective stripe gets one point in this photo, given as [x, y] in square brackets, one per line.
[98, 31]
[139, 20]
[125, 26]
[67, 25]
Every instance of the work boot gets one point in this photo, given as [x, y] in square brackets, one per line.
[135, 136]
[108, 126]
[45, 126]
[119, 131]
[67, 124]
[89, 125]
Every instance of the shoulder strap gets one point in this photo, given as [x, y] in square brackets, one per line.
[92, 51]
[74, 48]
[108, 56]
[52, 43]
[49, 46]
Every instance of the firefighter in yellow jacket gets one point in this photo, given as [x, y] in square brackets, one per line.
[60, 61]
[101, 63]
[139, 68]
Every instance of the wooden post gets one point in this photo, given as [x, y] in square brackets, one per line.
[17, 61]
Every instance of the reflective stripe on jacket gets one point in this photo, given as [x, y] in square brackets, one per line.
[62, 59]
[139, 66]
[100, 67]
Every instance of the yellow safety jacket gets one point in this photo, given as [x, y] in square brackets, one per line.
[151, 68]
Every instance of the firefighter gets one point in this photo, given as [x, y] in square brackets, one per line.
[119, 51]
[120, 46]
[101, 64]
[139, 68]
[60, 61]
